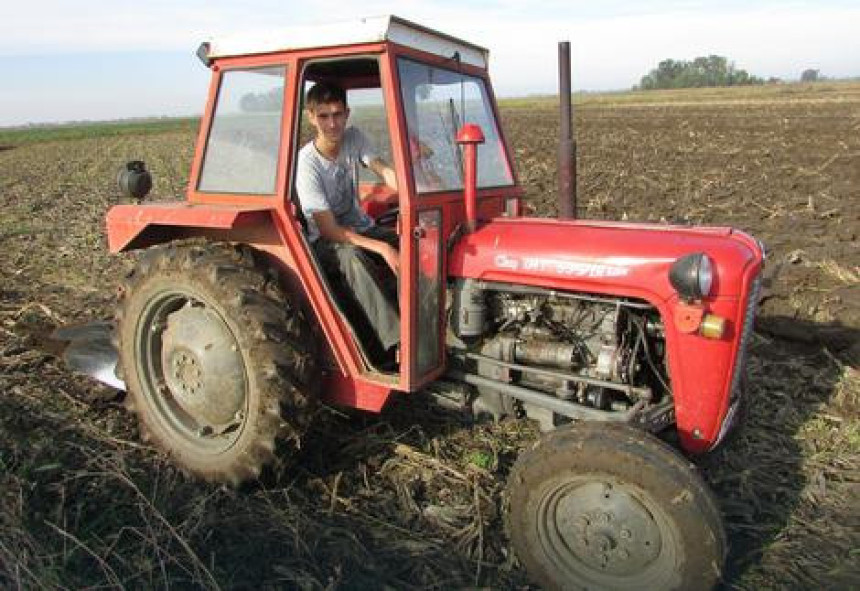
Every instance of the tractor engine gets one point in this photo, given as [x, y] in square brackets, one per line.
[605, 355]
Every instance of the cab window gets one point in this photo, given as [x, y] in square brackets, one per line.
[242, 148]
[437, 102]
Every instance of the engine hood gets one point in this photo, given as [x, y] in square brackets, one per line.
[600, 257]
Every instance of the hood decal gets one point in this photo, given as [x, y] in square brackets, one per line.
[563, 267]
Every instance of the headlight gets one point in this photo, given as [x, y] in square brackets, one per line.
[692, 276]
[134, 180]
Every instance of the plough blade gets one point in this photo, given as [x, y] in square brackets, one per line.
[91, 352]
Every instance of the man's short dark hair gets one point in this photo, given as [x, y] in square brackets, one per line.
[323, 93]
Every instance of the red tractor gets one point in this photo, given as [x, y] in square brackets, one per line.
[615, 337]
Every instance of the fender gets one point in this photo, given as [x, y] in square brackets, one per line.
[633, 260]
[131, 227]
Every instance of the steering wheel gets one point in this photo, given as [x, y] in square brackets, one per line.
[389, 217]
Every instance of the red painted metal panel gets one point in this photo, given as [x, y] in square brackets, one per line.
[355, 393]
[126, 222]
[624, 259]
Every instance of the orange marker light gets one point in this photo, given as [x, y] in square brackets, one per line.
[688, 317]
[713, 326]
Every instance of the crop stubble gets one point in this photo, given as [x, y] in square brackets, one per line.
[410, 499]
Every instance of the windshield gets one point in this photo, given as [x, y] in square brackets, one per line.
[437, 103]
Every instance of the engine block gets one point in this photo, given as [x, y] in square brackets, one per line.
[603, 353]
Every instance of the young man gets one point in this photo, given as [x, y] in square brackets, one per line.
[342, 235]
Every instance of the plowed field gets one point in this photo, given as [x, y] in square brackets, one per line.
[409, 499]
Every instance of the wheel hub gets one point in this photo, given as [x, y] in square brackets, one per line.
[203, 368]
[607, 528]
[185, 369]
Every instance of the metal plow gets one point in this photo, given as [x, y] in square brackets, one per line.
[90, 351]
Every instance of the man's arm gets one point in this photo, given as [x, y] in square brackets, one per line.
[331, 230]
[384, 171]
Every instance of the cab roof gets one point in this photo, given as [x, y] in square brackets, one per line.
[366, 30]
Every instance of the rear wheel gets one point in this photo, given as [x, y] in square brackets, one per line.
[216, 359]
[607, 506]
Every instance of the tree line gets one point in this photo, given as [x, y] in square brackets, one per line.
[713, 70]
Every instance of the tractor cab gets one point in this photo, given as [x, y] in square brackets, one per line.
[410, 93]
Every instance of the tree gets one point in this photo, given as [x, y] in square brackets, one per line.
[713, 70]
[810, 75]
[258, 102]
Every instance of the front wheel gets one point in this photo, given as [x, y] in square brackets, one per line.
[608, 506]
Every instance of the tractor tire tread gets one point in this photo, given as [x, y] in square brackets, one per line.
[630, 450]
[284, 371]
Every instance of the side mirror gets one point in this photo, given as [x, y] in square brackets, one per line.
[134, 180]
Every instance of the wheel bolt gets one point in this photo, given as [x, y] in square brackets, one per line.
[625, 534]
[603, 518]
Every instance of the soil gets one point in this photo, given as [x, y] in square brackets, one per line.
[409, 499]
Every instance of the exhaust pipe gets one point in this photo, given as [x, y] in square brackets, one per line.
[566, 144]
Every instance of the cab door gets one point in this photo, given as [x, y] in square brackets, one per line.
[437, 96]
[421, 226]
[364, 363]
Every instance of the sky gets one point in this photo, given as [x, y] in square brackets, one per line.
[108, 59]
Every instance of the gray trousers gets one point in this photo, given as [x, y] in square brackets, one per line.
[359, 280]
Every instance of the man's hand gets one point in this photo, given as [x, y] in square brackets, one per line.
[385, 172]
[392, 257]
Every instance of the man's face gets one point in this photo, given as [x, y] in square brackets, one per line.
[329, 120]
